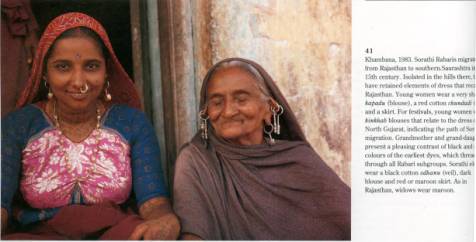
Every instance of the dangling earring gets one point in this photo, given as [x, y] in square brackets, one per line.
[107, 95]
[50, 94]
[277, 111]
[269, 132]
[204, 124]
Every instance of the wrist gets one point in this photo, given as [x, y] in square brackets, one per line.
[155, 208]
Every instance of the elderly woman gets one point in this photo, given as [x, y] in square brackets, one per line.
[250, 173]
[78, 146]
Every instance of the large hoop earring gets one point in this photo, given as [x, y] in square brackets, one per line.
[269, 132]
[204, 124]
[277, 111]
[107, 95]
[50, 94]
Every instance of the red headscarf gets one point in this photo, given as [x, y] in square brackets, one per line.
[121, 86]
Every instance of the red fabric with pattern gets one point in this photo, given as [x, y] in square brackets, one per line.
[121, 87]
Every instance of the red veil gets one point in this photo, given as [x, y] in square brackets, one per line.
[121, 87]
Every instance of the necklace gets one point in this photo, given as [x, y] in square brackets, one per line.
[57, 123]
[65, 154]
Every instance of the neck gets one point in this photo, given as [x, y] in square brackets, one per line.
[73, 116]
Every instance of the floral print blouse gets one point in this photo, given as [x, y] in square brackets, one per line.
[51, 171]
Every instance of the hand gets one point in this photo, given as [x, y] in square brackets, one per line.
[4, 220]
[166, 227]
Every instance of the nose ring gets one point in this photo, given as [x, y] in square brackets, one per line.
[84, 89]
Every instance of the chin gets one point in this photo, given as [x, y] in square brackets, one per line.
[78, 105]
[230, 134]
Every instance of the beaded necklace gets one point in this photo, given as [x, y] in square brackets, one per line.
[63, 143]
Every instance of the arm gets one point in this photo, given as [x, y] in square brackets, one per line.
[197, 211]
[161, 223]
[149, 187]
[10, 163]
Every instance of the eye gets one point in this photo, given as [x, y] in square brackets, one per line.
[242, 99]
[61, 67]
[92, 66]
[215, 102]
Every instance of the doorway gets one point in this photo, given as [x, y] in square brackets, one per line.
[114, 15]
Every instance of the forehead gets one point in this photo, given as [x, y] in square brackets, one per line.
[232, 79]
[71, 47]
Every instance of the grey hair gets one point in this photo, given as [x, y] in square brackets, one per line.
[251, 70]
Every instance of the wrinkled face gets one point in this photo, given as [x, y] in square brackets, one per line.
[236, 108]
[75, 62]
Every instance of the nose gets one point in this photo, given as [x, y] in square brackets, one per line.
[77, 79]
[229, 109]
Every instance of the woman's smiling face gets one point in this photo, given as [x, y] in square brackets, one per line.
[74, 63]
[236, 106]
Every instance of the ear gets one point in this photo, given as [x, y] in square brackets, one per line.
[267, 112]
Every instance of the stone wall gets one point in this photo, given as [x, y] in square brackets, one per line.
[305, 45]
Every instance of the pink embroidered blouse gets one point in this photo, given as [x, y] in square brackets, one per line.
[54, 167]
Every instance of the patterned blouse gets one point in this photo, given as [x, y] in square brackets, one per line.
[52, 171]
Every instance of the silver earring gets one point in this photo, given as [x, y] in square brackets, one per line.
[107, 95]
[204, 124]
[50, 94]
[269, 132]
[277, 111]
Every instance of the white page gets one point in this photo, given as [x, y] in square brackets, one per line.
[407, 28]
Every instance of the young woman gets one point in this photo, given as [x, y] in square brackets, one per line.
[79, 147]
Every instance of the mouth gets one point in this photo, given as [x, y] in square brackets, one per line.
[77, 95]
[232, 123]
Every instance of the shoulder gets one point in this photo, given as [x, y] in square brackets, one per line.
[303, 149]
[118, 116]
[189, 156]
[29, 117]
[194, 159]
[186, 166]
[304, 156]
[130, 123]
[21, 125]
[124, 112]
[316, 167]
[187, 152]
[25, 113]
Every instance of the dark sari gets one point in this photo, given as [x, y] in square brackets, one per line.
[267, 191]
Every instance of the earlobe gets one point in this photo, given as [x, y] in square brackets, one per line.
[267, 118]
[272, 104]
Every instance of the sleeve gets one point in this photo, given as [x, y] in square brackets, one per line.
[191, 201]
[147, 175]
[10, 160]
